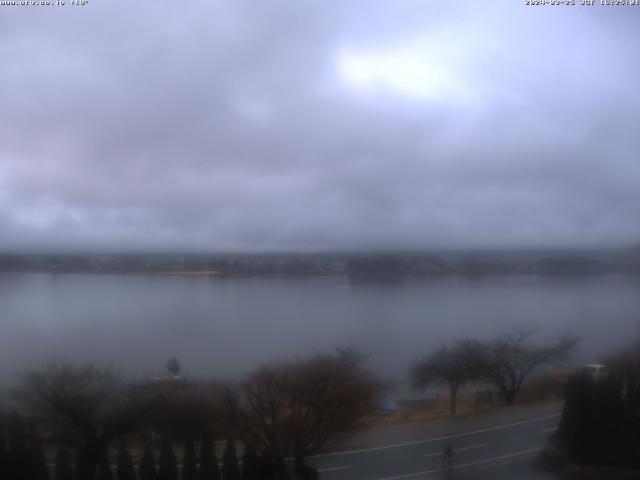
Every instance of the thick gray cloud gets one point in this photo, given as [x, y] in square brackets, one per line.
[283, 125]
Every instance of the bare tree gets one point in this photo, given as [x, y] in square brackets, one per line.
[511, 359]
[85, 407]
[326, 396]
[185, 410]
[230, 468]
[299, 407]
[453, 366]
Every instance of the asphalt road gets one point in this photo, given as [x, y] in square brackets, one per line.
[501, 444]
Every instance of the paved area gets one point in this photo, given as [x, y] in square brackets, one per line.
[501, 444]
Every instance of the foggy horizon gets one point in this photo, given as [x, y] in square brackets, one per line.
[242, 127]
[355, 251]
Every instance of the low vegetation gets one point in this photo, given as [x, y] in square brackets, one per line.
[89, 418]
[601, 418]
[85, 419]
[299, 407]
[506, 361]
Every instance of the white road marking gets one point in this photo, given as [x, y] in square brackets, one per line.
[462, 465]
[547, 430]
[334, 469]
[439, 454]
[434, 439]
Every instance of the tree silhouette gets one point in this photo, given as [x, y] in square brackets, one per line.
[453, 366]
[267, 465]
[511, 359]
[4, 454]
[168, 469]
[189, 462]
[86, 408]
[104, 466]
[125, 469]
[147, 467]
[183, 410]
[208, 462]
[18, 452]
[230, 470]
[63, 469]
[37, 461]
[600, 423]
[250, 464]
[299, 407]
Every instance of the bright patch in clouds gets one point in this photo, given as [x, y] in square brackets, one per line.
[408, 71]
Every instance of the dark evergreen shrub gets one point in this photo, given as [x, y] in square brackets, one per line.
[168, 468]
[267, 465]
[147, 466]
[37, 461]
[281, 468]
[208, 461]
[250, 464]
[4, 454]
[18, 461]
[600, 424]
[63, 469]
[125, 469]
[189, 462]
[104, 466]
[85, 467]
[230, 470]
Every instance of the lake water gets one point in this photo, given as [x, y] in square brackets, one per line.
[226, 326]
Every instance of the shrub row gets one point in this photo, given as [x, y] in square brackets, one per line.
[22, 457]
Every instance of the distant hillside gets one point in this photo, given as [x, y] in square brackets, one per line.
[357, 265]
[572, 266]
[635, 250]
[630, 258]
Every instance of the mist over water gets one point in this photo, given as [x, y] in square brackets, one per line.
[226, 326]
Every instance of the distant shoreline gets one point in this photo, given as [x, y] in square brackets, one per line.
[357, 278]
[388, 266]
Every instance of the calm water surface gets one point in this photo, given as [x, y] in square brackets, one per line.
[225, 326]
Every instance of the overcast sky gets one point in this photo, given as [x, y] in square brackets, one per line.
[284, 125]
